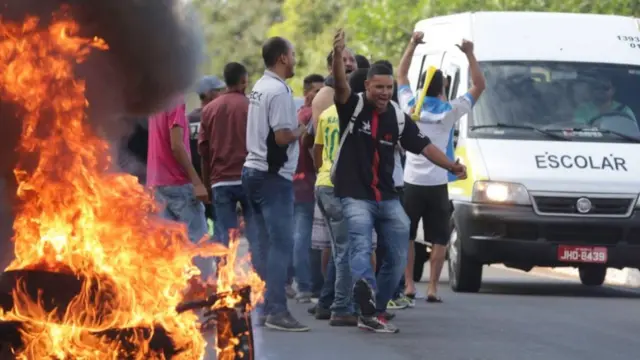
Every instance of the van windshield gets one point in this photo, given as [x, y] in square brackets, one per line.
[557, 100]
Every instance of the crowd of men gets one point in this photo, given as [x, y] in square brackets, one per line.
[326, 196]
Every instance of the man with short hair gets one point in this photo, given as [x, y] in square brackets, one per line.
[273, 133]
[426, 184]
[208, 88]
[171, 174]
[387, 63]
[222, 146]
[399, 300]
[363, 181]
[304, 205]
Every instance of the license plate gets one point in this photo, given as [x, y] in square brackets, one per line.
[584, 254]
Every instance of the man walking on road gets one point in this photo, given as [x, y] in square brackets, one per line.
[267, 177]
[171, 174]
[372, 126]
[335, 300]
[303, 185]
[222, 145]
[426, 190]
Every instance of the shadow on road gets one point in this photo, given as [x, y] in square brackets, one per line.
[562, 289]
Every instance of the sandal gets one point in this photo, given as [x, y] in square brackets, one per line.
[434, 299]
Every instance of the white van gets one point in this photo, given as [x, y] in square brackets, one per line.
[552, 147]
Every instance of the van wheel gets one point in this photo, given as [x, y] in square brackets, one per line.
[421, 258]
[465, 273]
[593, 275]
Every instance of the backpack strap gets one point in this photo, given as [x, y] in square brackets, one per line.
[347, 131]
[400, 117]
[352, 120]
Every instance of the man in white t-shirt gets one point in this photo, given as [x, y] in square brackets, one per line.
[426, 194]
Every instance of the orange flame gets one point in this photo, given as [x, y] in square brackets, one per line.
[78, 218]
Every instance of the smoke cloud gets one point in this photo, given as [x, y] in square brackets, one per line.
[155, 51]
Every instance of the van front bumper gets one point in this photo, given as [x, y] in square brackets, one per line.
[516, 235]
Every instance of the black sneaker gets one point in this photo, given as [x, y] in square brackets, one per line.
[343, 320]
[322, 313]
[364, 297]
[311, 310]
[285, 322]
[376, 324]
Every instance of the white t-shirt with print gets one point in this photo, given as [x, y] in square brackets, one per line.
[436, 121]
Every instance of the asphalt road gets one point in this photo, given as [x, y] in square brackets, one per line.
[516, 316]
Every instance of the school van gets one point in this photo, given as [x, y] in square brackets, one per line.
[552, 147]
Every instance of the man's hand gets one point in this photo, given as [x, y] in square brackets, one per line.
[339, 42]
[459, 170]
[466, 47]
[201, 193]
[302, 130]
[417, 38]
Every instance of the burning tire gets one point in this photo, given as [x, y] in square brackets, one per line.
[56, 292]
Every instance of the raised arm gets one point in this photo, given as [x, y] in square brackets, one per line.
[341, 86]
[405, 62]
[477, 78]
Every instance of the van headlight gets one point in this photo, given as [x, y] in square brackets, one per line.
[500, 193]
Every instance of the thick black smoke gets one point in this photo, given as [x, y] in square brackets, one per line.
[155, 50]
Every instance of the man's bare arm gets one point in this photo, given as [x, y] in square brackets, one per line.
[182, 156]
[341, 86]
[477, 77]
[405, 62]
[317, 156]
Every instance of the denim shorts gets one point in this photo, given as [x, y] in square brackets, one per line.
[320, 237]
[180, 204]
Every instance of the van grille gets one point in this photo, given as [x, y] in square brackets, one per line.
[567, 205]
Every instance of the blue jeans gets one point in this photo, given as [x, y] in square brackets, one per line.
[338, 270]
[317, 278]
[225, 200]
[392, 225]
[380, 253]
[303, 225]
[271, 201]
[181, 205]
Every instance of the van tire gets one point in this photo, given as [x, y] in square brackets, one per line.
[592, 275]
[465, 273]
[421, 258]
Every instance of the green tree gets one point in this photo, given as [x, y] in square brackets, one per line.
[379, 29]
[310, 25]
[235, 31]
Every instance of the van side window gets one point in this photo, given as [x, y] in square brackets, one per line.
[432, 59]
[454, 84]
[420, 77]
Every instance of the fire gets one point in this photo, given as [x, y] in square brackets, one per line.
[78, 218]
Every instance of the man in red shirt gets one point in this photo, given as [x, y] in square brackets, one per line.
[303, 186]
[171, 174]
[222, 146]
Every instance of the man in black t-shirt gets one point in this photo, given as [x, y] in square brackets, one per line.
[364, 182]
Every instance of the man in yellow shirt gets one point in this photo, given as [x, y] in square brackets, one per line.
[336, 293]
